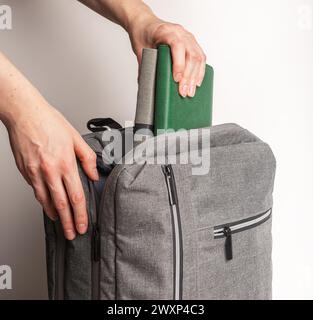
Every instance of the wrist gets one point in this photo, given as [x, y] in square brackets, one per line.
[10, 109]
[139, 18]
[142, 31]
[16, 108]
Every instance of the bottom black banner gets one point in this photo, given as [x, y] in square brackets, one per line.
[165, 309]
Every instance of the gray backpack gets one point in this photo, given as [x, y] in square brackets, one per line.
[158, 231]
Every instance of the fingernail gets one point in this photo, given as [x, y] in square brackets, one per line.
[199, 83]
[177, 77]
[70, 234]
[192, 91]
[81, 228]
[184, 90]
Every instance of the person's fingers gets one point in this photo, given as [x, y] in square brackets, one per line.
[185, 84]
[43, 197]
[87, 158]
[201, 58]
[178, 54]
[49, 209]
[194, 61]
[76, 196]
[201, 72]
[61, 203]
[184, 87]
[41, 192]
[193, 78]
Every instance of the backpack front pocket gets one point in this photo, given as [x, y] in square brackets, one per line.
[234, 259]
[227, 230]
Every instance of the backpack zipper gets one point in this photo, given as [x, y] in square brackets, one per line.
[227, 230]
[59, 261]
[95, 244]
[177, 232]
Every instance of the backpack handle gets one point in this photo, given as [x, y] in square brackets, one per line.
[102, 124]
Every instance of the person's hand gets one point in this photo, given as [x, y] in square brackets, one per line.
[44, 146]
[146, 30]
[188, 57]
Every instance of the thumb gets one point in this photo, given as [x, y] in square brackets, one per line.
[138, 52]
[139, 59]
[87, 157]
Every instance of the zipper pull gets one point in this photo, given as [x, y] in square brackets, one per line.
[96, 244]
[167, 170]
[228, 243]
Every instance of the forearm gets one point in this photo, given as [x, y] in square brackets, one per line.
[16, 92]
[122, 12]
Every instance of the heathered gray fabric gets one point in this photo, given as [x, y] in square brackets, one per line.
[247, 277]
[142, 235]
[137, 233]
[145, 97]
[50, 256]
[77, 262]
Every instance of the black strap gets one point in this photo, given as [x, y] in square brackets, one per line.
[102, 124]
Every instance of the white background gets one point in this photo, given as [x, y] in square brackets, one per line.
[262, 52]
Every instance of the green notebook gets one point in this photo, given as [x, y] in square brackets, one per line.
[173, 111]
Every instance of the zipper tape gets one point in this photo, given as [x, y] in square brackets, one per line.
[177, 231]
[226, 230]
[242, 225]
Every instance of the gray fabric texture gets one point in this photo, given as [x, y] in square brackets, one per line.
[145, 97]
[136, 228]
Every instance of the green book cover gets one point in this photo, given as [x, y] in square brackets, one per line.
[172, 111]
